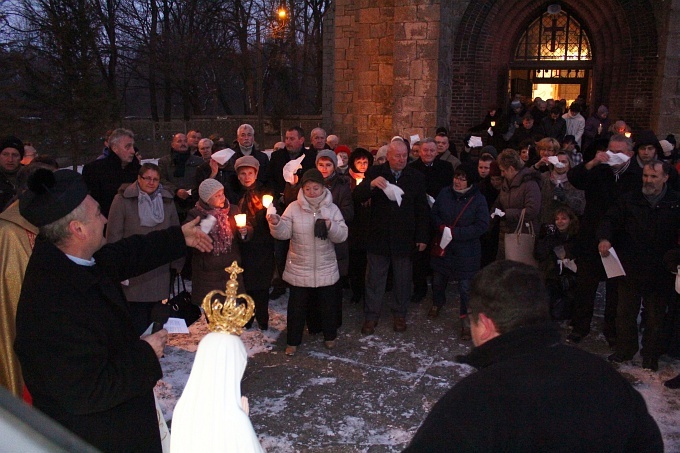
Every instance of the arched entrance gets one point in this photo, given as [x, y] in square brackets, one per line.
[552, 59]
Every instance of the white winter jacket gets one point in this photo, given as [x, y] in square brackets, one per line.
[311, 261]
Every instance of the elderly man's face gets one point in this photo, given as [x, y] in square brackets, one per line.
[179, 143]
[397, 155]
[428, 152]
[646, 153]
[93, 225]
[653, 180]
[293, 141]
[10, 159]
[193, 137]
[318, 139]
[124, 148]
[619, 147]
[205, 148]
[245, 137]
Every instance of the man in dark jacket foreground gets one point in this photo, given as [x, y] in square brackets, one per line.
[531, 392]
[81, 359]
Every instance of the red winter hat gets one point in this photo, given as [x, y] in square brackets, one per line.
[342, 149]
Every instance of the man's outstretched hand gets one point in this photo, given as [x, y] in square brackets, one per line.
[196, 238]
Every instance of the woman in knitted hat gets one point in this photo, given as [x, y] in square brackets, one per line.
[313, 224]
[258, 253]
[218, 215]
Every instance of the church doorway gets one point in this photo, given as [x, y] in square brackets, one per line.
[552, 59]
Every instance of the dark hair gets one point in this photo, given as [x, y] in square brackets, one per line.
[665, 166]
[573, 219]
[556, 110]
[574, 107]
[511, 294]
[358, 153]
[148, 166]
[298, 129]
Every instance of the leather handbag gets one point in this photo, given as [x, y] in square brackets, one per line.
[178, 305]
[519, 246]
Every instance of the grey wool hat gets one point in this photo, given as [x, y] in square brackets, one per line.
[328, 154]
[208, 188]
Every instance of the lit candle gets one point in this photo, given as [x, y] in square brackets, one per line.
[627, 134]
[240, 222]
[493, 124]
[358, 180]
[267, 200]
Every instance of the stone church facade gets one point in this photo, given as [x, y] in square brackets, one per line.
[406, 67]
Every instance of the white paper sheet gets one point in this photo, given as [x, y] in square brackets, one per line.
[430, 200]
[291, 168]
[223, 155]
[617, 158]
[612, 264]
[393, 192]
[414, 138]
[475, 142]
[447, 237]
[176, 325]
[555, 161]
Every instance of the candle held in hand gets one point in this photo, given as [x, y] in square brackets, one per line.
[267, 200]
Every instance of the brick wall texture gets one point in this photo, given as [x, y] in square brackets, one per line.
[405, 67]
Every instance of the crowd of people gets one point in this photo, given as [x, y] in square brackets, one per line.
[316, 221]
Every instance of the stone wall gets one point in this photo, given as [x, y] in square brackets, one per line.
[385, 70]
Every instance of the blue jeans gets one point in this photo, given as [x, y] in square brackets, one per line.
[439, 283]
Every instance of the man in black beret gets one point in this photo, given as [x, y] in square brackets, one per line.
[82, 361]
[11, 153]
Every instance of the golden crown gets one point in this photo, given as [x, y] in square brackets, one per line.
[222, 309]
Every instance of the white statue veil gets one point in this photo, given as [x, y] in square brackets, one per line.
[209, 416]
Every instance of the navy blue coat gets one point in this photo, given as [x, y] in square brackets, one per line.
[464, 253]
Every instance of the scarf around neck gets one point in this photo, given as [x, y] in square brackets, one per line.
[221, 233]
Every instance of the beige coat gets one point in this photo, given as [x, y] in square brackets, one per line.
[123, 222]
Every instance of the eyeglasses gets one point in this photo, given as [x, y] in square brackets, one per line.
[460, 178]
[150, 179]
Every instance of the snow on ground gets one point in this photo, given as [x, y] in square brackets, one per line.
[371, 393]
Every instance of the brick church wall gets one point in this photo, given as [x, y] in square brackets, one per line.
[406, 66]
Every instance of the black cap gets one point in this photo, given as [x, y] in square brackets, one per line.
[313, 175]
[51, 195]
[12, 142]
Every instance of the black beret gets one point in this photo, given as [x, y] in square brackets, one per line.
[12, 142]
[51, 195]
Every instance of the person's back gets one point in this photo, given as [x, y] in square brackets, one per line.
[531, 392]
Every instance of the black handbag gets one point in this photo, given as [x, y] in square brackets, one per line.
[178, 305]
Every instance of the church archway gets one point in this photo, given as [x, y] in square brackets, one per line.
[553, 59]
[623, 43]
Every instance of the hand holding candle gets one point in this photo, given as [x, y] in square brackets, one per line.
[241, 224]
[267, 203]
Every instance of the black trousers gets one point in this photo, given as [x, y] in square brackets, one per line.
[299, 303]
[261, 298]
[590, 274]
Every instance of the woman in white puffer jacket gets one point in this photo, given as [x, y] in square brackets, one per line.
[313, 224]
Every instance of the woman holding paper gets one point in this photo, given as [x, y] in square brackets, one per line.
[258, 253]
[460, 213]
[226, 232]
[140, 208]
